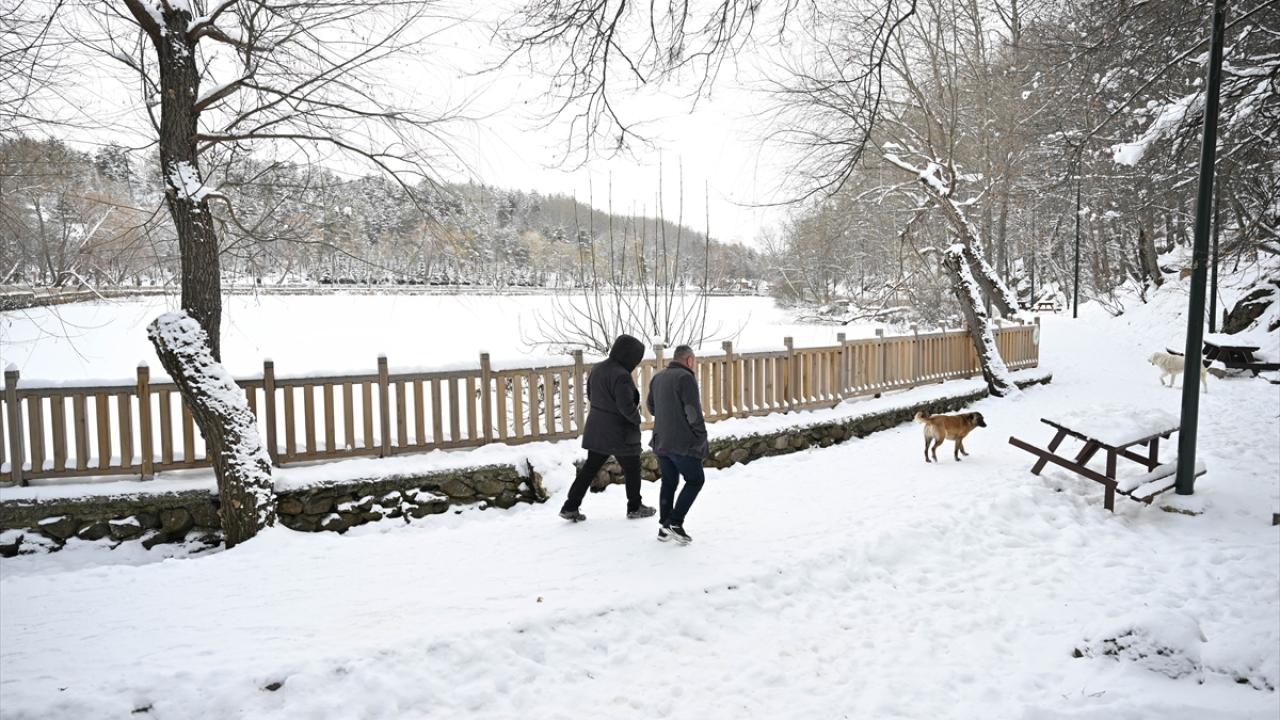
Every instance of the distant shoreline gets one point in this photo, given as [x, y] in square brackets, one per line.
[13, 298]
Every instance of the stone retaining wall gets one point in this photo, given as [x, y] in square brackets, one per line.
[169, 517]
[153, 518]
[748, 448]
[342, 505]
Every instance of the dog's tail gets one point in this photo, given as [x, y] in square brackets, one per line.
[921, 417]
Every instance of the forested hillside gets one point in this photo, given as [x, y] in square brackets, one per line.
[69, 217]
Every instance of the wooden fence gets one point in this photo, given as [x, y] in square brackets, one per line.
[142, 428]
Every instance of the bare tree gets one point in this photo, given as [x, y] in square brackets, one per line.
[838, 97]
[216, 76]
[228, 73]
[28, 62]
[920, 124]
[645, 292]
[940, 194]
[602, 50]
[61, 223]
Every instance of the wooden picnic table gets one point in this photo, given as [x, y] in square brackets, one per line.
[1118, 436]
[1236, 357]
[1039, 305]
[1232, 357]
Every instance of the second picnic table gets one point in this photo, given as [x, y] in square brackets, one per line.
[1116, 433]
[1235, 357]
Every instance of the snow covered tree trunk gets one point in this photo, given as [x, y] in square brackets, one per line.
[975, 316]
[221, 411]
[1150, 262]
[184, 190]
[1002, 297]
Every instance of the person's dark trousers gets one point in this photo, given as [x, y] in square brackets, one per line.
[582, 483]
[670, 510]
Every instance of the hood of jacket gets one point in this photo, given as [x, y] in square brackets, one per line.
[627, 351]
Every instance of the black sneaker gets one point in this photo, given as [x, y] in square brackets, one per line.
[664, 533]
[573, 516]
[679, 535]
[643, 511]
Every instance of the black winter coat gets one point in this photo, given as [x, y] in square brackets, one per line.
[678, 425]
[613, 424]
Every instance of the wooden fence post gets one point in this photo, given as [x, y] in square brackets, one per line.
[1035, 344]
[269, 408]
[1010, 337]
[144, 420]
[486, 397]
[792, 373]
[917, 355]
[579, 391]
[842, 372]
[728, 381]
[16, 450]
[384, 407]
[883, 359]
[946, 353]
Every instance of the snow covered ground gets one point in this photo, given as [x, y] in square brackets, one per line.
[107, 339]
[853, 581]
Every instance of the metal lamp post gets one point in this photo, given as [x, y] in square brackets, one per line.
[1199, 263]
[1075, 300]
[1213, 268]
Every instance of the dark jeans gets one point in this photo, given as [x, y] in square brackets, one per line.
[670, 510]
[630, 471]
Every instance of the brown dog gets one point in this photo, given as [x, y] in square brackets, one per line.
[948, 427]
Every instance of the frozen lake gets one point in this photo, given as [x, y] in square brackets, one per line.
[341, 333]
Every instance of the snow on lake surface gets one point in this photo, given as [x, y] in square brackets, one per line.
[310, 334]
[852, 581]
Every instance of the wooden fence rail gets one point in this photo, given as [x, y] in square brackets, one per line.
[143, 428]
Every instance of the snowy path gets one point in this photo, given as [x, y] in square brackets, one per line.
[854, 581]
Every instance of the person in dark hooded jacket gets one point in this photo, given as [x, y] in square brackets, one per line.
[613, 428]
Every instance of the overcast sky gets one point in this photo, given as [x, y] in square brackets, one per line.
[718, 140]
[509, 142]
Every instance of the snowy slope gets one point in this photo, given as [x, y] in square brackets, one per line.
[853, 581]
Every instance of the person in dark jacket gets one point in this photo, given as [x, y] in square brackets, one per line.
[679, 441]
[613, 428]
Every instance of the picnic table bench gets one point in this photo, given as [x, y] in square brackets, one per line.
[1116, 434]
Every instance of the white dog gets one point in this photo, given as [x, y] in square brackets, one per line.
[1172, 366]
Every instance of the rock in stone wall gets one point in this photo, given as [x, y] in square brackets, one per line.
[740, 450]
[341, 506]
[153, 518]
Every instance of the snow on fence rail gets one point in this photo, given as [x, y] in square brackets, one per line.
[142, 428]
